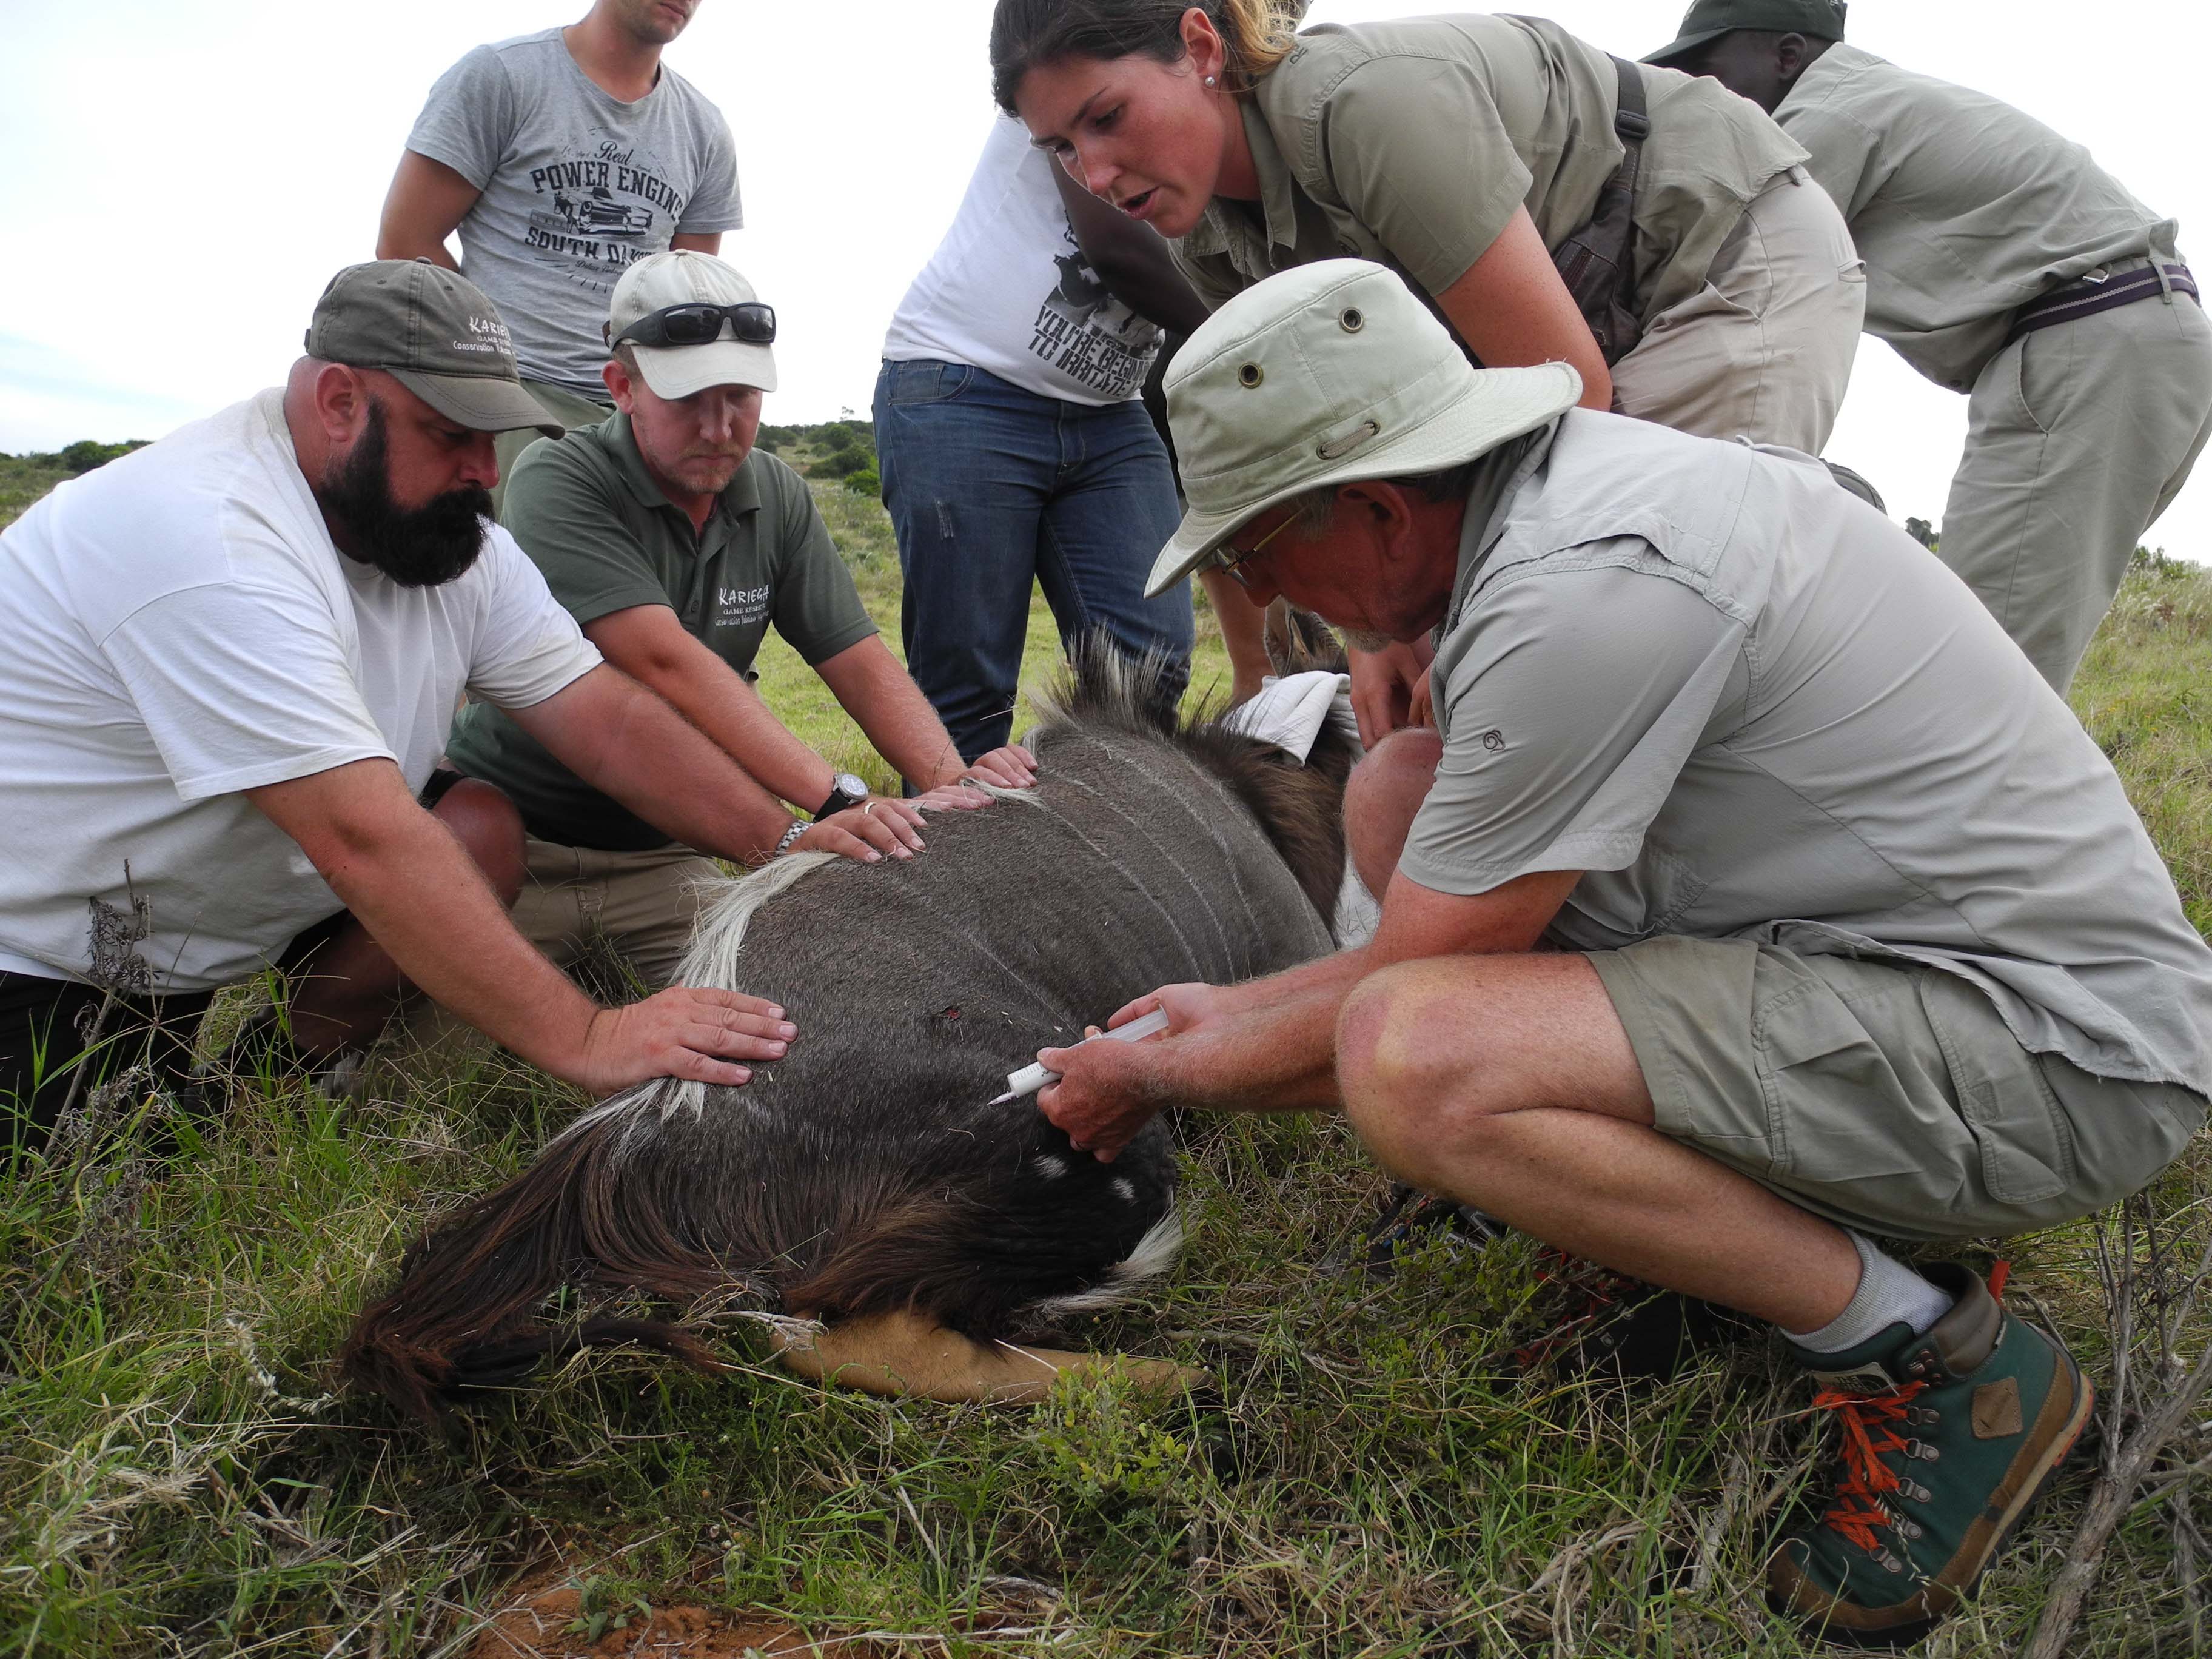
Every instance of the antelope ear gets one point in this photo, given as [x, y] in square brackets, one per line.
[1299, 641]
[907, 1354]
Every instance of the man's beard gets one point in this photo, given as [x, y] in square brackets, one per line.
[422, 547]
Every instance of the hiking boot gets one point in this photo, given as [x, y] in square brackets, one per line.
[1947, 1439]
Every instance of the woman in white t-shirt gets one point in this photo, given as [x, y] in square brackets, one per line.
[1014, 447]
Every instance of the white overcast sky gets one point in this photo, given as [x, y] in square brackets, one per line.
[185, 174]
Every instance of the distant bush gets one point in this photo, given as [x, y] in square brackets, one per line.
[81, 457]
[844, 463]
[866, 482]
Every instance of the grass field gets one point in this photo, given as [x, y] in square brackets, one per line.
[178, 1477]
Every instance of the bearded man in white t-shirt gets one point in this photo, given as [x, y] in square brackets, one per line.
[227, 666]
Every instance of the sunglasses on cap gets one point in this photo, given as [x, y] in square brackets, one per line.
[699, 323]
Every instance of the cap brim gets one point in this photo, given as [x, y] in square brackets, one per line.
[1505, 404]
[480, 401]
[1665, 56]
[680, 371]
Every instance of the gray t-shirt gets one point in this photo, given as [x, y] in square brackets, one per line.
[1963, 206]
[577, 185]
[1750, 707]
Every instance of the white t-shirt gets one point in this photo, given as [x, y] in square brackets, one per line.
[178, 626]
[1009, 291]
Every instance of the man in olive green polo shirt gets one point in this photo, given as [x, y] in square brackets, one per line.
[676, 547]
[2003, 262]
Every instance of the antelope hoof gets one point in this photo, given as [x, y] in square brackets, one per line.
[905, 1354]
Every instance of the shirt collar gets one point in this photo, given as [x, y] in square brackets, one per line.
[1225, 223]
[740, 496]
[1497, 480]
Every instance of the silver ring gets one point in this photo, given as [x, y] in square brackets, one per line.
[869, 808]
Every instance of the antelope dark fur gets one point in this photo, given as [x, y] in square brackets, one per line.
[865, 1173]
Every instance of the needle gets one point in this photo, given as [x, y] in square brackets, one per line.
[1032, 1078]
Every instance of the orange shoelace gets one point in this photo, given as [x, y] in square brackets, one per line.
[1868, 1437]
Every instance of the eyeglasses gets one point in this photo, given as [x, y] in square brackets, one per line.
[700, 323]
[1230, 565]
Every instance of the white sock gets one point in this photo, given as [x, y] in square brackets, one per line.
[1889, 1293]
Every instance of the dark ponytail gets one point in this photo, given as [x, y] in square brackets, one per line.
[1025, 33]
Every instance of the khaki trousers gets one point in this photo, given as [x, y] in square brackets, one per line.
[2078, 436]
[642, 904]
[564, 406]
[1764, 349]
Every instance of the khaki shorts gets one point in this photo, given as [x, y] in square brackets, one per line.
[1889, 1098]
[643, 904]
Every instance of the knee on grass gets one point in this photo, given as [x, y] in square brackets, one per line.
[490, 827]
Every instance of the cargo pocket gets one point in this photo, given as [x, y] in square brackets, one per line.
[1828, 1087]
[2026, 1144]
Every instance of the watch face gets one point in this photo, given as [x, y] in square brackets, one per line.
[854, 789]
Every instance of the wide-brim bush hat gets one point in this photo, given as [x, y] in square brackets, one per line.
[1328, 373]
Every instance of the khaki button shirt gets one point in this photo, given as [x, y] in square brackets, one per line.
[1964, 207]
[1748, 707]
[1412, 142]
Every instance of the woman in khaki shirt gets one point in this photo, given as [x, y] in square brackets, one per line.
[1463, 152]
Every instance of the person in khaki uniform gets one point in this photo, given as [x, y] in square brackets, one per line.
[1755, 895]
[2004, 263]
[1484, 159]
[676, 546]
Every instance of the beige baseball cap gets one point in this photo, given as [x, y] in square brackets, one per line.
[433, 330]
[683, 277]
[1323, 374]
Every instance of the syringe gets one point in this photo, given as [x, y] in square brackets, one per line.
[1034, 1077]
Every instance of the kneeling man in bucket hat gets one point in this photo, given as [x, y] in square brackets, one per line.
[1754, 895]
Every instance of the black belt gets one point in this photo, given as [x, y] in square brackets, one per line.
[2089, 295]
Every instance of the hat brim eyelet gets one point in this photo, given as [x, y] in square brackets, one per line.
[1250, 376]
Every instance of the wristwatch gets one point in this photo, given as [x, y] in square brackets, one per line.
[846, 791]
[798, 829]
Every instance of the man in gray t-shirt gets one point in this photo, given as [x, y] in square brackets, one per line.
[561, 158]
[1755, 895]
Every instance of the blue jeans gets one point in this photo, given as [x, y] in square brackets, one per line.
[989, 487]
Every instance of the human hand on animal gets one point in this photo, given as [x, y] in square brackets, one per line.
[699, 1035]
[865, 833]
[1384, 685]
[1010, 768]
[1108, 1092]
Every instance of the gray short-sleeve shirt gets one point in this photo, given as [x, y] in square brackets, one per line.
[590, 516]
[1963, 206]
[1749, 707]
[577, 185]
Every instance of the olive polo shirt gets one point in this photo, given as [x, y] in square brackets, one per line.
[1410, 143]
[592, 519]
[1963, 206]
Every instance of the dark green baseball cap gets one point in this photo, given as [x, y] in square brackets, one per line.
[1709, 20]
[433, 330]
